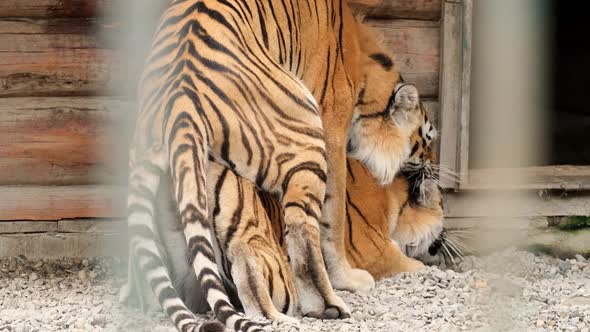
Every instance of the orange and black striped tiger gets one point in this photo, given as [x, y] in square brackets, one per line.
[385, 223]
[267, 89]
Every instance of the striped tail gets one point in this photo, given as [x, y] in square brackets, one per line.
[145, 257]
[187, 148]
[186, 156]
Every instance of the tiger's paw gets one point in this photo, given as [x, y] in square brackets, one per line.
[280, 317]
[337, 311]
[413, 265]
[354, 280]
[332, 311]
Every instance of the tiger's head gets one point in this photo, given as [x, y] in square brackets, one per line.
[419, 221]
[418, 227]
[386, 113]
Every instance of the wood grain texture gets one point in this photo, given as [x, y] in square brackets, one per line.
[414, 9]
[58, 141]
[14, 227]
[564, 177]
[451, 89]
[62, 57]
[416, 45]
[466, 52]
[502, 204]
[52, 8]
[60, 202]
[54, 57]
[71, 141]
[90, 226]
[58, 245]
[410, 9]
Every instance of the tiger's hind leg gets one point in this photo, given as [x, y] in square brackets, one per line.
[254, 259]
[188, 162]
[302, 204]
[145, 256]
[254, 288]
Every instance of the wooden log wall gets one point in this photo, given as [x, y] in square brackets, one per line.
[62, 103]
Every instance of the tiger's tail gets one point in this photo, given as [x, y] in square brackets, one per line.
[185, 156]
[147, 263]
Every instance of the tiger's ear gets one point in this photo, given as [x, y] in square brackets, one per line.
[405, 103]
[406, 97]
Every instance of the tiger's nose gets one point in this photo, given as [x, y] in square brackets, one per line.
[435, 247]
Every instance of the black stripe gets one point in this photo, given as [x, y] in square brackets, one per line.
[223, 311]
[138, 208]
[358, 211]
[305, 207]
[167, 293]
[141, 230]
[190, 214]
[199, 244]
[383, 59]
[323, 95]
[306, 166]
[414, 148]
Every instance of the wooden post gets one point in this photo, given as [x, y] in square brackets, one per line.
[454, 87]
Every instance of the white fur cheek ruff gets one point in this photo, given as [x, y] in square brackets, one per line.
[382, 157]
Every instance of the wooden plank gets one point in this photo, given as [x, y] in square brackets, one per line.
[464, 115]
[416, 45]
[60, 202]
[12, 227]
[564, 177]
[73, 141]
[54, 57]
[514, 204]
[56, 245]
[413, 9]
[451, 85]
[67, 57]
[409, 9]
[58, 141]
[91, 226]
[52, 8]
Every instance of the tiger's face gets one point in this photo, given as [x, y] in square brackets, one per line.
[386, 113]
[421, 154]
[419, 223]
[420, 167]
[418, 229]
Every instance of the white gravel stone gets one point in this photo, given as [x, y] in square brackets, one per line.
[507, 291]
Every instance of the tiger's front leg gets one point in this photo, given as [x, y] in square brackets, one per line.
[342, 275]
[302, 204]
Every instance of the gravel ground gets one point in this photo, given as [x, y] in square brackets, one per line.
[509, 291]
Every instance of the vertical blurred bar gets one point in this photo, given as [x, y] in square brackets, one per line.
[127, 27]
[508, 114]
[509, 89]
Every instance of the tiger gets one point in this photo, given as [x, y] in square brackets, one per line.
[269, 90]
[384, 225]
[389, 226]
